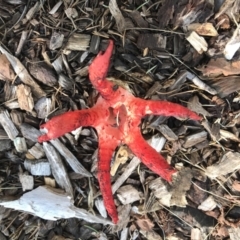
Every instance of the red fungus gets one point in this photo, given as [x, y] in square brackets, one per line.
[116, 116]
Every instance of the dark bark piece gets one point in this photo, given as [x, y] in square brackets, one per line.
[225, 85]
[165, 13]
[43, 73]
[138, 19]
[94, 44]
[151, 41]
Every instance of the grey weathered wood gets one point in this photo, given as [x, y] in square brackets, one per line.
[30, 132]
[39, 167]
[58, 169]
[193, 139]
[37, 151]
[20, 144]
[8, 125]
[167, 132]
[70, 158]
[52, 204]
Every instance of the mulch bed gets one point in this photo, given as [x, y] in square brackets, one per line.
[185, 52]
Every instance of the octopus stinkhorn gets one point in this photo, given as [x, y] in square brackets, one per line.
[116, 116]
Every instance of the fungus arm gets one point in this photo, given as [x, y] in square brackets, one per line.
[67, 122]
[164, 108]
[105, 152]
[150, 157]
[98, 72]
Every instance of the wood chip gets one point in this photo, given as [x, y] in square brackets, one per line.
[121, 157]
[29, 132]
[203, 29]
[43, 73]
[25, 99]
[194, 139]
[56, 40]
[70, 158]
[39, 167]
[208, 205]
[228, 135]
[26, 181]
[116, 13]
[6, 72]
[161, 191]
[128, 194]
[8, 125]
[23, 74]
[20, 144]
[78, 42]
[167, 132]
[194, 105]
[234, 233]
[232, 45]
[199, 43]
[152, 41]
[181, 185]
[43, 107]
[37, 151]
[151, 235]
[51, 204]
[100, 207]
[229, 163]
[58, 169]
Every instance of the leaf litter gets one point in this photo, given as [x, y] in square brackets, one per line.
[46, 50]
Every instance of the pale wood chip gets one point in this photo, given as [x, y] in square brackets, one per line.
[78, 42]
[128, 194]
[199, 43]
[26, 181]
[161, 191]
[8, 125]
[229, 163]
[115, 11]
[39, 167]
[30, 132]
[20, 144]
[208, 204]
[37, 151]
[151, 235]
[203, 29]
[25, 99]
